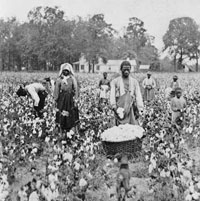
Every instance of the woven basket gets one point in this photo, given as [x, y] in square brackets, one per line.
[129, 147]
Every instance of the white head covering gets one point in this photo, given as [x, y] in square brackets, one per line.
[66, 66]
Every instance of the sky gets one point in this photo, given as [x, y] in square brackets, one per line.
[156, 14]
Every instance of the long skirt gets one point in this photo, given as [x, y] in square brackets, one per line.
[126, 102]
[67, 115]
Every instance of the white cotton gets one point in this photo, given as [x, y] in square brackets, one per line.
[68, 156]
[122, 133]
[196, 195]
[82, 182]
[77, 166]
[188, 197]
[120, 112]
[34, 196]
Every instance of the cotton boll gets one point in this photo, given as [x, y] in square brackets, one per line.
[162, 173]
[47, 139]
[196, 195]
[188, 197]
[150, 168]
[191, 188]
[82, 182]
[34, 196]
[38, 184]
[198, 185]
[67, 156]
[52, 185]
[115, 160]
[77, 166]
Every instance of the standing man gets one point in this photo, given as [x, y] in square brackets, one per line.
[125, 96]
[149, 85]
[104, 86]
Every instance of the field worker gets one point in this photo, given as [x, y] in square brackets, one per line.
[38, 92]
[104, 85]
[178, 105]
[66, 97]
[125, 96]
[149, 85]
[175, 83]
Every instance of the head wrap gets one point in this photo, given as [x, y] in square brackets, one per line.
[66, 66]
[125, 63]
[148, 73]
[175, 77]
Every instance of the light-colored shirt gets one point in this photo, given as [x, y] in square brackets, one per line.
[174, 85]
[118, 89]
[178, 103]
[33, 90]
[149, 82]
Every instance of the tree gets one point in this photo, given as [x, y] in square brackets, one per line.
[8, 42]
[182, 39]
[135, 34]
[53, 45]
[99, 35]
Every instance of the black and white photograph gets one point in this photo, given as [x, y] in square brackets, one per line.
[99, 100]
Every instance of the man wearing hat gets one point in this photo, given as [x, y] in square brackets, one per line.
[125, 94]
[149, 85]
[178, 105]
[38, 92]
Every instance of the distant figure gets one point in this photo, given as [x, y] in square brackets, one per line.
[178, 106]
[175, 83]
[149, 85]
[38, 92]
[104, 86]
[66, 97]
[125, 96]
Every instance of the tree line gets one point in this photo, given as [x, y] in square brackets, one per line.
[182, 41]
[49, 38]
